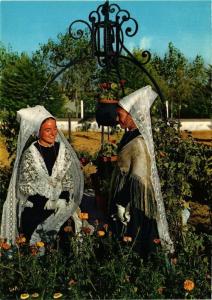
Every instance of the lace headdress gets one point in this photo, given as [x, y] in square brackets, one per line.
[138, 104]
[30, 121]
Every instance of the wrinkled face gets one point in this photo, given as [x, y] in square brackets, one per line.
[48, 132]
[124, 119]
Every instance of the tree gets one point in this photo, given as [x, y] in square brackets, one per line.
[22, 83]
[77, 81]
[186, 83]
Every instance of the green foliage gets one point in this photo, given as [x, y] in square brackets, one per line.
[77, 81]
[22, 83]
[184, 84]
[184, 168]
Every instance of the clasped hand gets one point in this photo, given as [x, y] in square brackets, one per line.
[55, 205]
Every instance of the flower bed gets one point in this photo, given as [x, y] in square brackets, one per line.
[100, 267]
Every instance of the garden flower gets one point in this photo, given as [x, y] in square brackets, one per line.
[35, 295]
[20, 239]
[57, 295]
[156, 241]
[188, 285]
[40, 244]
[83, 216]
[24, 296]
[127, 238]
[100, 233]
[5, 246]
[68, 229]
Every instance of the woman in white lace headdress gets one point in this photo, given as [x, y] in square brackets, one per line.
[46, 186]
[136, 203]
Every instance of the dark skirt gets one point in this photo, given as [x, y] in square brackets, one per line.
[33, 216]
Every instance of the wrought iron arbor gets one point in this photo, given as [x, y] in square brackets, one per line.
[107, 26]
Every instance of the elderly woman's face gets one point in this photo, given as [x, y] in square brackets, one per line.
[124, 118]
[48, 132]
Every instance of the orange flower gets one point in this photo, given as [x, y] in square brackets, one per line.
[35, 295]
[188, 285]
[156, 241]
[68, 229]
[100, 233]
[40, 244]
[20, 239]
[127, 238]
[5, 246]
[83, 216]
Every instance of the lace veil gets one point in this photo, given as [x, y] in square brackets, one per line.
[30, 120]
[138, 104]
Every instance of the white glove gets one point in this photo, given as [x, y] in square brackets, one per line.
[50, 204]
[60, 204]
[123, 214]
[29, 204]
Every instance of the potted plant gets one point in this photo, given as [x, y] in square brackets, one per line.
[109, 151]
[108, 96]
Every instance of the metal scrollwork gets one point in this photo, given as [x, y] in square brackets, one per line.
[108, 27]
[79, 33]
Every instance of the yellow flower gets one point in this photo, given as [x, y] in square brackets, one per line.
[35, 295]
[114, 86]
[24, 296]
[40, 244]
[127, 238]
[188, 285]
[100, 233]
[57, 295]
[83, 216]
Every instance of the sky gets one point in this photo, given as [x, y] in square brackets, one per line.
[187, 24]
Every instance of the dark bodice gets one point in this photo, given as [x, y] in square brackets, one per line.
[49, 155]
